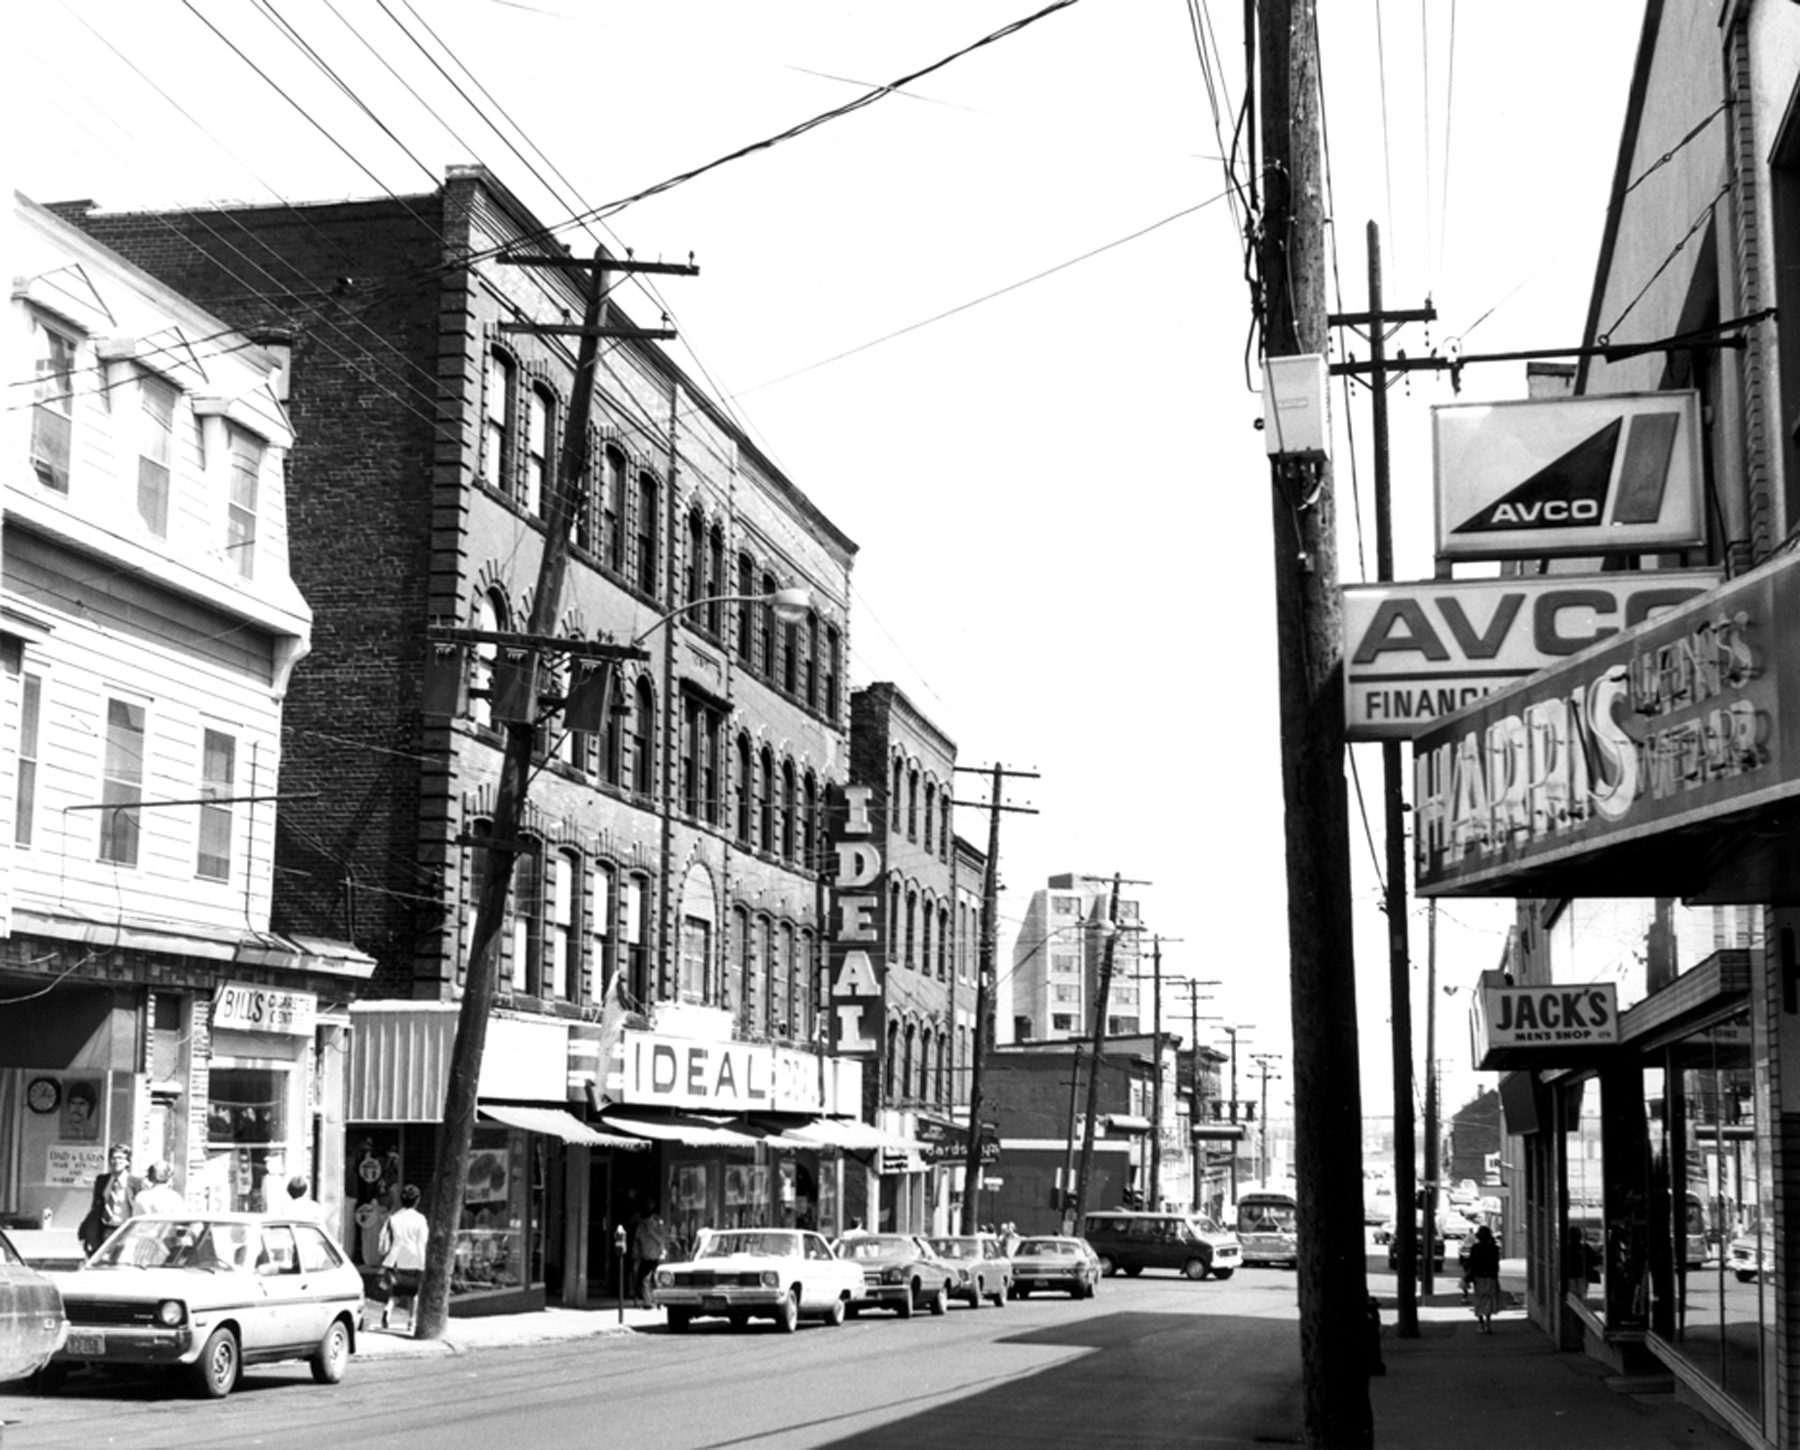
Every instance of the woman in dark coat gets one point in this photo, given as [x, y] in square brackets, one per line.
[1484, 1277]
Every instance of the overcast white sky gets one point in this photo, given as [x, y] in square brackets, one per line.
[995, 325]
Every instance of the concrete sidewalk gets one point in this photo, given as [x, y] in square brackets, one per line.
[1455, 1386]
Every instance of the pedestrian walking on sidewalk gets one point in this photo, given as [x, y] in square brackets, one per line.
[1484, 1277]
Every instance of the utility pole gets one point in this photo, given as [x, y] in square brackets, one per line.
[1098, 1054]
[502, 846]
[1232, 1033]
[1377, 319]
[984, 979]
[1154, 1199]
[1332, 1276]
[1262, 1060]
[1066, 1199]
[1431, 1094]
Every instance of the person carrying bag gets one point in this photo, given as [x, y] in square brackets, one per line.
[403, 1240]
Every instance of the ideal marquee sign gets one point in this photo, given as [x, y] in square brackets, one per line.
[1590, 475]
[1682, 720]
[725, 1077]
[1414, 653]
[855, 942]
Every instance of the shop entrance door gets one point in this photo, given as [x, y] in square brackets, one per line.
[602, 1262]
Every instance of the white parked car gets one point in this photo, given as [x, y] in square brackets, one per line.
[210, 1293]
[784, 1274]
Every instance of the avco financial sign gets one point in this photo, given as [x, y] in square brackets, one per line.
[1683, 720]
[1414, 653]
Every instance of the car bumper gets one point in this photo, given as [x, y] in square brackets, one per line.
[886, 1295]
[723, 1300]
[1047, 1281]
[112, 1344]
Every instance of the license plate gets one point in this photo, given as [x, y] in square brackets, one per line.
[713, 1302]
[79, 1344]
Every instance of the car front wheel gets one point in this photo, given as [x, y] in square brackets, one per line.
[332, 1355]
[216, 1371]
[903, 1306]
[1107, 1266]
[834, 1316]
[788, 1319]
[940, 1301]
[1194, 1268]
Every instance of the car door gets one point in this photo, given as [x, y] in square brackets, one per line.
[288, 1309]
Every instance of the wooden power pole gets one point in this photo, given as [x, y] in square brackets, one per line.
[984, 981]
[1333, 1285]
[501, 848]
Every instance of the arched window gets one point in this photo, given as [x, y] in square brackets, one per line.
[612, 509]
[896, 799]
[473, 859]
[746, 612]
[943, 963]
[893, 922]
[539, 475]
[926, 1045]
[737, 965]
[562, 923]
[811, 695]
[944, 827]
[834, 658]
[771, 1009]
[525, 923]
[925, 919]
[497, 422]
[930, 812]
[637, 938]
[942, 1095]
[715, 582]
[786, 972]
[695, 582]
[490, 618]
[907, 1058]
[806, 991]
[912, 805]
[603, 961]
[643, 742]
[790, 812]
[765, 801]
[612, 733]
[893, 1056]
[746, 792]
[766, 623]
[910, 959]
[646, 559]
[812, 854]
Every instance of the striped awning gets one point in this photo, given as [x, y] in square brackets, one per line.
[679, 1128]
[849, 1133]
[557, 1124]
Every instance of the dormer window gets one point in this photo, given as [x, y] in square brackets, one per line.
[156, 433]
[246, 455]
[53, 403]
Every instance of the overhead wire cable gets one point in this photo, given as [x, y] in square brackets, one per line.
[1062, 266]
[1425, 134]
[1449, 120]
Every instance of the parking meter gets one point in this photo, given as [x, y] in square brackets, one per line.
[619, 1249]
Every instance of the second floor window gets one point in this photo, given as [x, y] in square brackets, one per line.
[534, 487]
[122, 786]
[52, 405]
[218, 769]
[25, 801]
[156, 431]
[246, 451]
[496, 423]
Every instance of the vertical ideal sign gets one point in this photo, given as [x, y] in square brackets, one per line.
[856, 923]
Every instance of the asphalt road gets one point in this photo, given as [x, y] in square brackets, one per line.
[1150, 1362]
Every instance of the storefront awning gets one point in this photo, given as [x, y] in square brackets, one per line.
[677, 1128]
[849, 1133]
[557, 1124]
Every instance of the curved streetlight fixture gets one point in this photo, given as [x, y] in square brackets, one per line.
[791, 605]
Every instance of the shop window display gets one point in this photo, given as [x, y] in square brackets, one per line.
[246, 1128]
[490, 1241]
[1718, 1319]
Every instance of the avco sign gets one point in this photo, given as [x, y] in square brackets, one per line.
[1590, 475]
[1576, 781]
[1414, 653]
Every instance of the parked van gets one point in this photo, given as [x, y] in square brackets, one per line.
[1190, 1243]
[1266, 1224]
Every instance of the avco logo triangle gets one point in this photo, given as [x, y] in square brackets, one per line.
[1572, 490]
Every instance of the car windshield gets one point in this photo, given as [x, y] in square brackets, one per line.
[876, 1246]
[1048, 1249]
[958, 1248]
[774, 1245]
[176, 1243]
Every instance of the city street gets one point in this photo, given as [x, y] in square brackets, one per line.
[1150, 1361]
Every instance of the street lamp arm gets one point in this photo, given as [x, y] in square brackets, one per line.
[790, 606]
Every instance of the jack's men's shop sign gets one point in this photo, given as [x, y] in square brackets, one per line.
[1692, 716]
[1582, 1016]
[855, 942]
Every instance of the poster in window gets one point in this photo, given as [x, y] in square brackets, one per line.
[80, 1111]
[488, 1170]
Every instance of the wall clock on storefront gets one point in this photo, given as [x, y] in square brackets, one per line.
[44, 1094]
